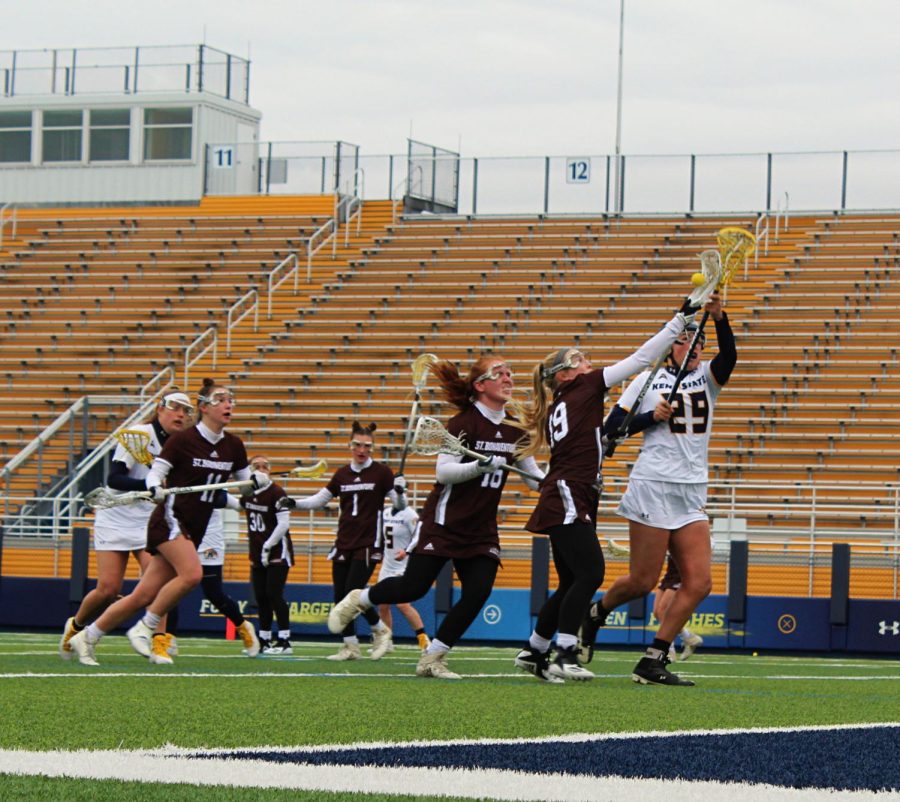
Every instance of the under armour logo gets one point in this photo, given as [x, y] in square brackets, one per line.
[884, 627]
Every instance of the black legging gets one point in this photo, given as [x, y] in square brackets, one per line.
[213, 590]
[211, 585]
[268, 587]
[476, 578]
[580, 566]
[352, 575]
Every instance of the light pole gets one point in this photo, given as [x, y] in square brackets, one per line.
[617, 181]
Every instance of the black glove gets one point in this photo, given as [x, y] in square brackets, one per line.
[285, 503]
[220, 499]
[400, 484]
[688, 308]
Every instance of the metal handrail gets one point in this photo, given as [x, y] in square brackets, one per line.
[312, 249]
[210, 334]
[762, 233]
[785, 213]
[231, 321]
[8, 217]
[167, 370]
[273, 285]
[355, 204]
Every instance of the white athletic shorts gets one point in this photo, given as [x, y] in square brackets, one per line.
[107, 538]
[391, 567]
[665, 505]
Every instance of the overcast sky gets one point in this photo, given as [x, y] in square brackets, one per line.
[531, 77]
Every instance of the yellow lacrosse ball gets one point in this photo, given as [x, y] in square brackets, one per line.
[698, 279]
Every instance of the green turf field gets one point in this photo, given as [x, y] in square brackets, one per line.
[215, 697]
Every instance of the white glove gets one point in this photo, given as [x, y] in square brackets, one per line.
[399, 484]
[261, 481]
[264, 555]
[490, 464]
[157, 493]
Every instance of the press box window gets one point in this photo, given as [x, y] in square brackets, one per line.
[110, 131]
[63, 131]
[15, 136]
[167, 133]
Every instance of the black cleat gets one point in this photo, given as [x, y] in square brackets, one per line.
[537, 663]
[650, 671]
[593, 619]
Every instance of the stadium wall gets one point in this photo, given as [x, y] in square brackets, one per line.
[772, 622]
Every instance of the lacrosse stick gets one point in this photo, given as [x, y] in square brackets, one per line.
[419, 376]
[102, 498]
[736, 246]
[432, 438]
[313, 471]
[711, 267]
[135, 442]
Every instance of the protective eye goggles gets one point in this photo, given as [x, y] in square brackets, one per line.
[495, 372]
[566, 359]
[359, 444]
[260, 465]
[218, 397]
[687, 336]
[178, 402]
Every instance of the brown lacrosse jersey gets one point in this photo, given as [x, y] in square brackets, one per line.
[460, 520]
[260, 512]
[361, 498]
[194, 461]
[569, 491]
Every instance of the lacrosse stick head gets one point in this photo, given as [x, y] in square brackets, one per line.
[420, 367]
[711, 268]
[135, 442]
[101, 498]
[430, 438]
[313, 471]
[736, 246]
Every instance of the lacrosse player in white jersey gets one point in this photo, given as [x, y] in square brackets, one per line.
[666, 495]
[401, 532]
[120, 531]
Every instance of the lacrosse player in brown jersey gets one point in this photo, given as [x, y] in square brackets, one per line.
[459, 520]
[120, 531]
[566, 414]
[360, 487]
[271, 556]
[203, 454]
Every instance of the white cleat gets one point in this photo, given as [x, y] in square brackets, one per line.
[673, 655]
[349, 651]
[435, 665]
[65, 651]
[83, 649]
[566, 666]
[248, 636]
[345, 611]
[382, 643]
[691, 644]
[140, 636]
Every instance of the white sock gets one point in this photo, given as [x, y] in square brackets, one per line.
[380, 627]
[686, 633]
[364, 599]
[538, 643]
[566, 641]
[151, 619]
[352, 640]
[437, 647]
[284, 634]
[93, 633]
[265, 634]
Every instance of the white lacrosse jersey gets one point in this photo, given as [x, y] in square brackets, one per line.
[212, 547]
[129, 520]
[399, 530]
[675, 450]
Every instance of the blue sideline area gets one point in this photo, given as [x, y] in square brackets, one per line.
[784, 623]
[847, 759]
